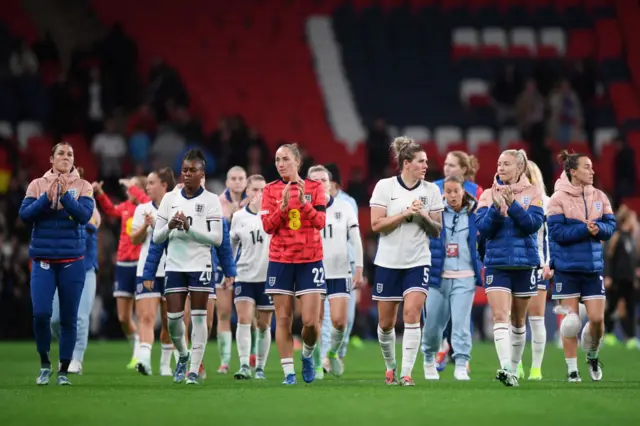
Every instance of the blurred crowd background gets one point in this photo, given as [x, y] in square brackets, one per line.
[133, 85]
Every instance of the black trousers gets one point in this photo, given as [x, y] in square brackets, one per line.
[621, 289]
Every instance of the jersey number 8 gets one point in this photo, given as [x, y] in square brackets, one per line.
[294, 219]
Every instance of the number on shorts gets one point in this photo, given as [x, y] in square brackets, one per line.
[533, 277]
[205, 277]
[425, 276]
[270, 299]
[540, 274]
[318, 278]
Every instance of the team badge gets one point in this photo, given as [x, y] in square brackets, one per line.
[272, 281]
[307, 197]
[238, 290]
[423, 200]
[526, 200]
[558, 287]
[337, 215]
[44, 265]
[73, 192]
[379, 287]
[200, 208]
[139, 287]
[598, 206]
[489, 279]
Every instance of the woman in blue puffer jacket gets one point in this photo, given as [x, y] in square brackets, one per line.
[509, 216]
[455, 272]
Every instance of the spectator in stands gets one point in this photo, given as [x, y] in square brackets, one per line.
[620, 276]
[139, 147]
[23, 61]
[624, 171]
[357, 187]
[165, 85]
[45, 48]
[111, 148]
[504, 93]
[566, 120]
[378, 149]
[119, 57]
[98, 102]
[167, 147]
[530, 113]
[142, 120]
[186, 125]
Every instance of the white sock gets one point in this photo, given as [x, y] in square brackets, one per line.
[199, 336]
[518, 341]
[538, 340]
[387, 341]
[287, 366]
[134, 339]
[502, 340]
[243, 340]
[264, 344]
[572, 364]
[165, 355]
[337, 338]
[224, 347]
[410, 347]
[307, 350]
[176, 355]
[589, 344]
[176, 331]
[144, 353]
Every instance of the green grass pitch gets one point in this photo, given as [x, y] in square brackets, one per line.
[108, 394]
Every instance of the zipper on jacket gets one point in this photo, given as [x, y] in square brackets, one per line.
[586, 212]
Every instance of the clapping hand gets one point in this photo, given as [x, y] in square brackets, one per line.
[497, 198]
[97, 187]
[286, 194]
[593, 228]
[52, 189]
[184, 220]
[149, 220]
[507, 194]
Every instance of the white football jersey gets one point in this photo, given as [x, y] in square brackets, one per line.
[543, 235]
[204, 212]
[407, 246]
[138, 222]
[248, 236]
[340, 218]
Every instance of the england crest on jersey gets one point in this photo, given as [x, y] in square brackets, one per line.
[423, 200]
[379, 287]
[307, 197]
[337, 215]
[598, 206]
[526, 200]
[199, 208]
[73, 192]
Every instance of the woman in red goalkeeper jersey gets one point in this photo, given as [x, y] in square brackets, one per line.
[124, 288]
[293, 213]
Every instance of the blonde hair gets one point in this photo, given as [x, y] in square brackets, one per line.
[255, 178]
[236, 169]
[468, 162]
[319, 168]
[295, 150]
[521, 159]
[404, 149]
[534, 175]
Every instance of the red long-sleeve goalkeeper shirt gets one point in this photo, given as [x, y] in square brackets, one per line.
[127, 251]
[295, 232]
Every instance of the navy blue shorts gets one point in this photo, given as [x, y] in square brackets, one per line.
[125, 285]
[155, 290]
[518, 282]
[393, 284]
[542, 283]
[253, 292]
[183, 282]
[295, 279]
[586, 286]
[338, 287]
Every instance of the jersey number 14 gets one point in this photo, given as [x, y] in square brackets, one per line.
[256, 237]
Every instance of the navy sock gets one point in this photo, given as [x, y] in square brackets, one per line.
[64, 366]
[44, 360]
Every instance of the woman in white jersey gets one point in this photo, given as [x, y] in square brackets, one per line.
[405, 210]
[192, 222]
[341, 226]
[543, 274]
[233, 199]
[149, 292]
[251, 243]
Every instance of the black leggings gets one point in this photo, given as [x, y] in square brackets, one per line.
[621, 289]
